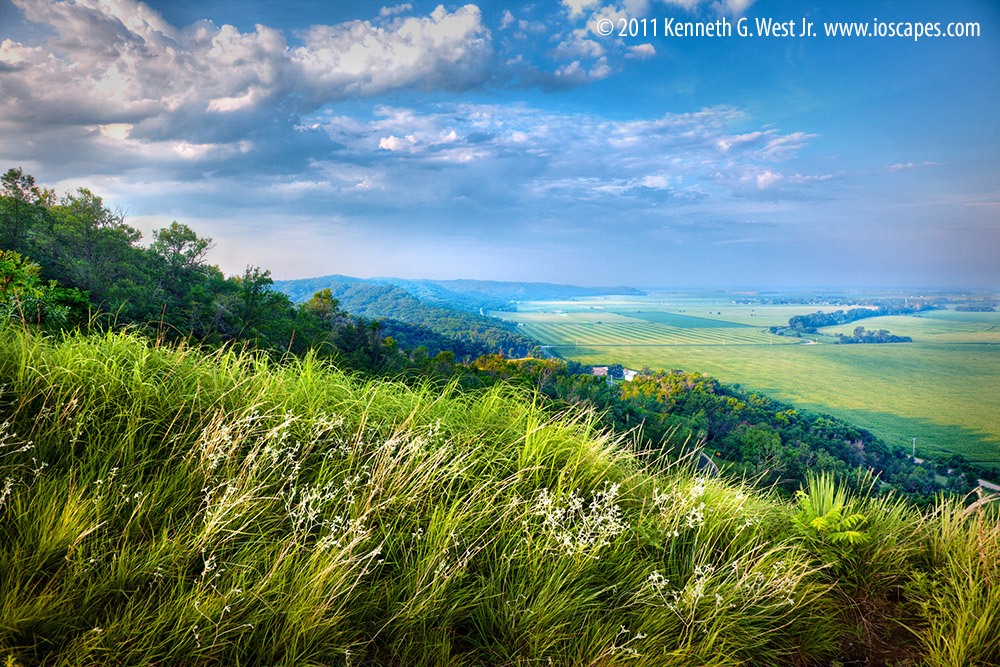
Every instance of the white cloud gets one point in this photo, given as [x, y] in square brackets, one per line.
[767, 178]
[445, 49]
[909, 166]
[578, 45]
[576, 7]
[641, 51]
[119, 62]
[395, 10]
[396, 144]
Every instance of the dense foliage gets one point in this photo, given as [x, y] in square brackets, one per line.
[747, 434]
[413, 323]
[72, 260]
[860, 335]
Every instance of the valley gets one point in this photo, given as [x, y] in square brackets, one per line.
[940, 389]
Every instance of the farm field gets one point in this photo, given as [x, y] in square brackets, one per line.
[941, 389]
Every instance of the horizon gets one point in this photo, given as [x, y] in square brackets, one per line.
[519, 142]
[917, 291]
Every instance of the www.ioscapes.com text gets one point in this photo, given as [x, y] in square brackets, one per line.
[772, 28]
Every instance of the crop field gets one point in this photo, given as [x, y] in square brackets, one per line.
[943, 389]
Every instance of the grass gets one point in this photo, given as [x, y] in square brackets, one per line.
[940, 389]
[165, 506]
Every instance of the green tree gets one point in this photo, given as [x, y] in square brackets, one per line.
[22, 206]
[24, 297]
[91, 247]
[191, 290]
[261, 314]
[324, 308]
[180, 247]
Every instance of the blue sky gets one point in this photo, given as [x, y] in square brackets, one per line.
[513, 141]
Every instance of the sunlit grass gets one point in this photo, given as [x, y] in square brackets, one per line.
[166, 506]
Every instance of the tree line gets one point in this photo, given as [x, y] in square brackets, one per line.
[71, 260]
[810, 323]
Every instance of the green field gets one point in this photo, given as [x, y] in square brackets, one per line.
[943, 389]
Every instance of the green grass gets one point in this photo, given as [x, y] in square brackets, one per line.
[684, 321]
[932, 327]
[164, 506]
[638, 333]
[941, 389]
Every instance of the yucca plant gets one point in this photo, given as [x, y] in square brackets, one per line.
[825, 515]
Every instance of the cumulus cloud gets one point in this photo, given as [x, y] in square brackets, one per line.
[641, 51]
[444, 50]
[104, 63]
[577, 7]
[578, 45]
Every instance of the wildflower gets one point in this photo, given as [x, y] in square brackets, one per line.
[577, 527]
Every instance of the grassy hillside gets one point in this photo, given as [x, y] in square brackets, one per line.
[162, 506]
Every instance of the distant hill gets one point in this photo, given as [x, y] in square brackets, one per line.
[441, 314]
[476, 296]
[414, 322]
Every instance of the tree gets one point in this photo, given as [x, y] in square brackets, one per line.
[22, 204]
[24, 297]
[325, 308]
[180, 247]
[91, 247]
[191, 290]
[259, 310]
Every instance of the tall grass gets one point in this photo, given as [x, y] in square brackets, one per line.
[167, 506]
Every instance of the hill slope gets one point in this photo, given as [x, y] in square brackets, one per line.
[413, 322]
[476, 296]
[162, 506]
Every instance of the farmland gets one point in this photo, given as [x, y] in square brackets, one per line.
[940, 389]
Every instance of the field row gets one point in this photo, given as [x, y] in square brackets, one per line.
[641, 333]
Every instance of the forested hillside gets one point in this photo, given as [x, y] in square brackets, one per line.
[414, 323]
[476, 296]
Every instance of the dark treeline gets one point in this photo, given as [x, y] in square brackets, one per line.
[862, 335]
[813, 321]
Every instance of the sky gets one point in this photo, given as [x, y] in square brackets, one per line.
[520, 141]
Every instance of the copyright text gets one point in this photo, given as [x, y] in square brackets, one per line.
[781, 29]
